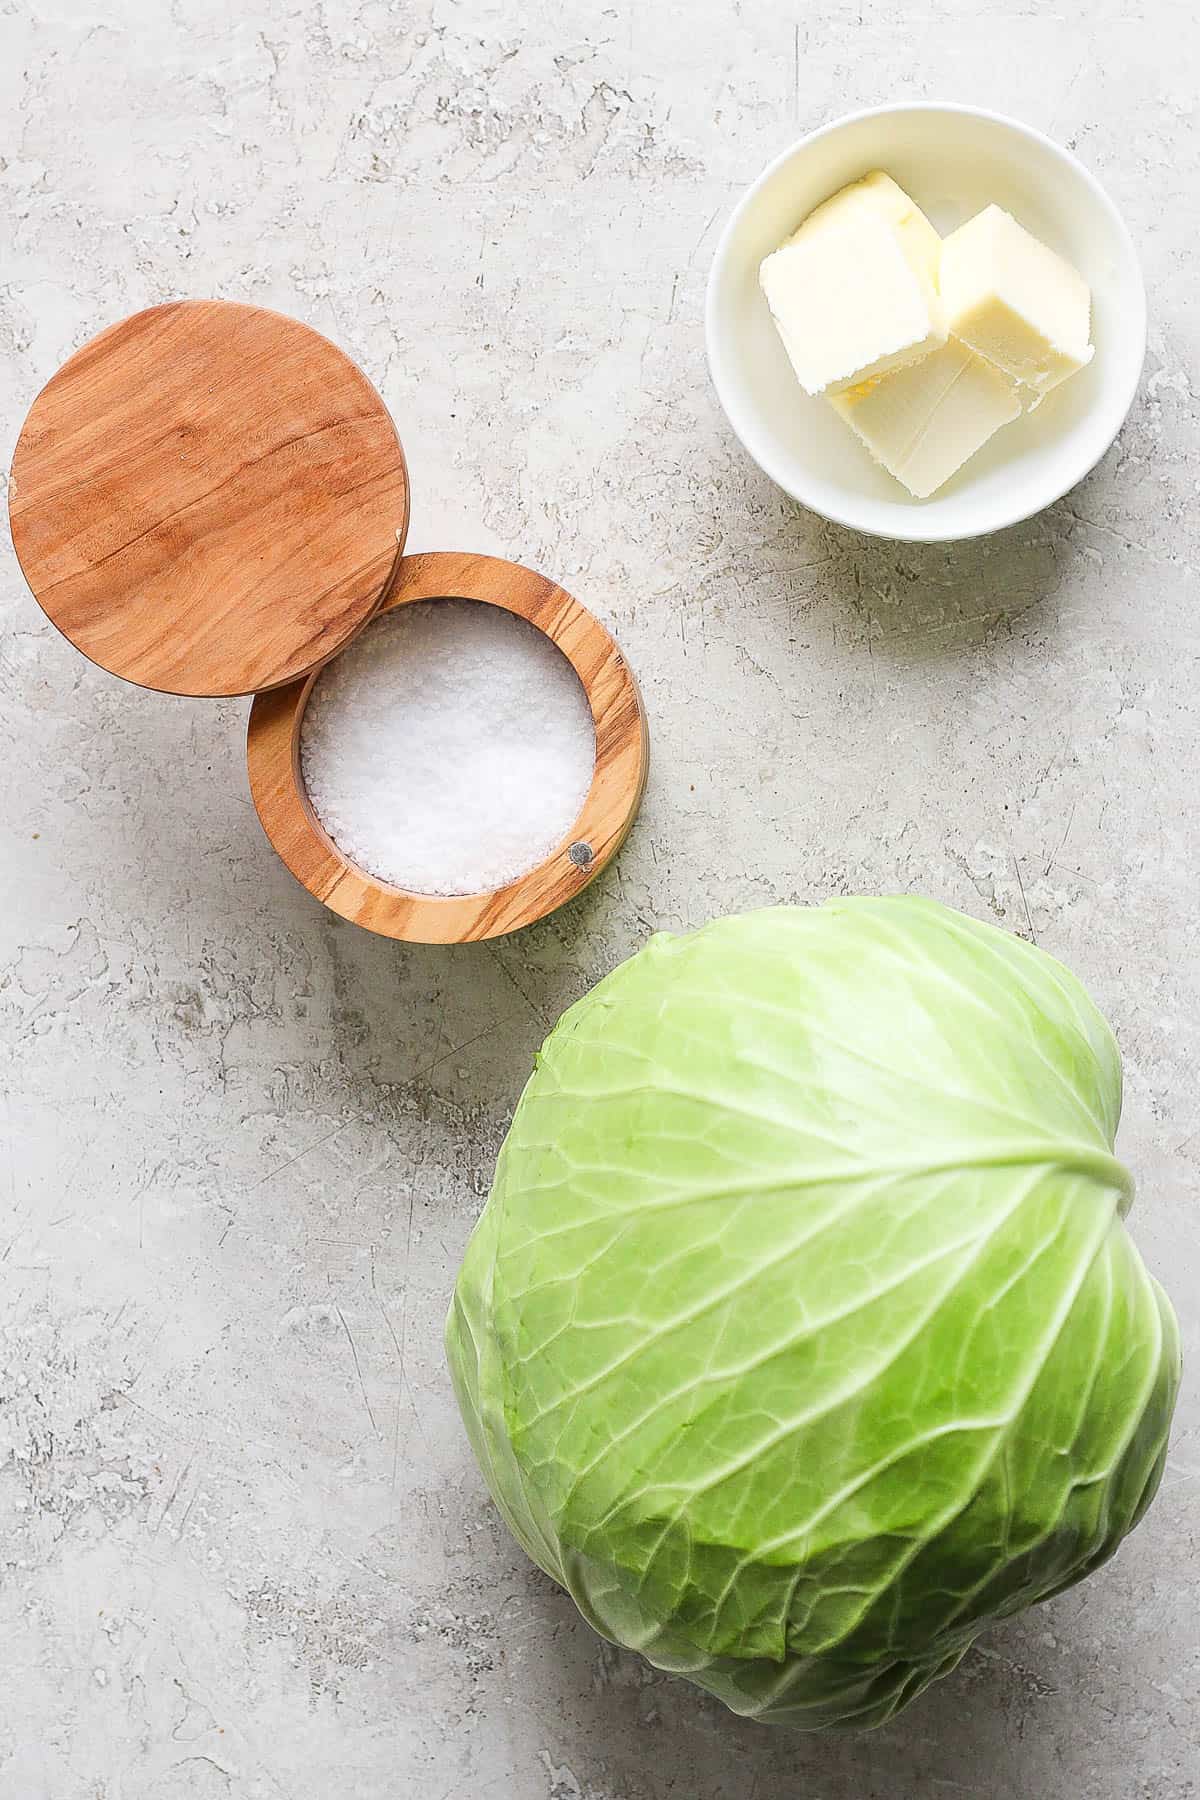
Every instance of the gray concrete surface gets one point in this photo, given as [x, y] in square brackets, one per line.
[245, 1552]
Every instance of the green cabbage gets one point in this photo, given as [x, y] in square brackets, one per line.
[802, 1334]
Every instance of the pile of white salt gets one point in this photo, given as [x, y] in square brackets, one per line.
[449, 749]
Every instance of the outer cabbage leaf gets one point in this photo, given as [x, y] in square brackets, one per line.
[802, 1334]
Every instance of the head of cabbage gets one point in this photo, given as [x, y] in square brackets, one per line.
[802, 1334]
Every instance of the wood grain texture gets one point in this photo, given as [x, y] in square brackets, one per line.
[618, 781]
[205, 498]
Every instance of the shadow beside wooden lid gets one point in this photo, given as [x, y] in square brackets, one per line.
[206, 498]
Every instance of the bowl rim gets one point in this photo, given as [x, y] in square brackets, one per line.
[609, 808]
[717, 360]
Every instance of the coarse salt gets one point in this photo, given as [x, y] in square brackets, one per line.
[449, 749]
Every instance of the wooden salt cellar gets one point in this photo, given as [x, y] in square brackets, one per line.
[211, 499]
[273, 754]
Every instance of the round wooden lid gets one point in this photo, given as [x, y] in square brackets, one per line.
[206, 498]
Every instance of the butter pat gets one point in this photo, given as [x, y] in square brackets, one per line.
[854, 292]
[923, 422]
[1015, 301]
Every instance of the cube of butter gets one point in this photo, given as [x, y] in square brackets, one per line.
[1014, 300]
[924, 421]
[854, 292]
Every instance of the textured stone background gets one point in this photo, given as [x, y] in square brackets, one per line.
[244, 1550]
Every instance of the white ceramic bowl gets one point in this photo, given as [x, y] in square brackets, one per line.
[953, 160]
